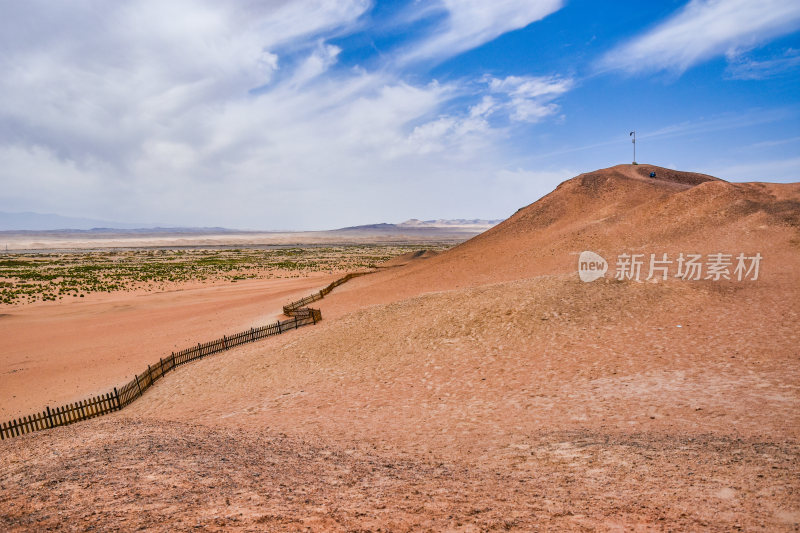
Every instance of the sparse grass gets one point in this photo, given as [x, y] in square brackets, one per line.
[34, 277]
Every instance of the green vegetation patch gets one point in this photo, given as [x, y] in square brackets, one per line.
[51, 276]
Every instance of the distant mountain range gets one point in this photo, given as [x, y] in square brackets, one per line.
[441, 223]
[45, 222]
[50, 223]
[415, 226]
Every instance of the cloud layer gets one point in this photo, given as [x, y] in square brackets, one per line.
[704, 29]
[319, 113]
[203, 112]
[467, 24]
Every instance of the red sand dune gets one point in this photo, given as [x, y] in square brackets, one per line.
[484, 388]
[610, 211]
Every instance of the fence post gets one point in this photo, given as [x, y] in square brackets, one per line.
[224, 342]
[116, 395]
[138, 385]
[50, 417]
[252, 335]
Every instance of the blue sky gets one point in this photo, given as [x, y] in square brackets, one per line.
[308, 114]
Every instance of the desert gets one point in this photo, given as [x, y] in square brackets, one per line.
[400, 266]
[483, 387]
[74, 323]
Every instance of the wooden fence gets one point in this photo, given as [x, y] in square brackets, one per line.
[294, 308]
[119, 398]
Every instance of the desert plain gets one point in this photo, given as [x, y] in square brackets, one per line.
[477, 387]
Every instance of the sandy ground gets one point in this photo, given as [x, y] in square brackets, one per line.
[502, 361]
[483, 388]
[119, 475]
[52, 353]
[610, 418]
[531, 410]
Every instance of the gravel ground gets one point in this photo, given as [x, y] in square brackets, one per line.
[116, 474]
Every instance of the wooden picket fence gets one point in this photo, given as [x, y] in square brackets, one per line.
[119, 398]
[294, 308]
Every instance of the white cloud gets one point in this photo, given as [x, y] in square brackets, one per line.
[110, 75]
[304, 18]
[530, 97]
[775, 142]
[704, 29]
[745, 68]
[519, 98]
[468, 24]
[745, 118]
[213, 113]
[316, 64]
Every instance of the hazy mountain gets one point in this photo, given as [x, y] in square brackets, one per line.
[426, 226]
[48, 221]
[439, 223]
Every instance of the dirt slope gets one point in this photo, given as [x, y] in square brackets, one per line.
[405, 259]
[483, 388]
[611, 211]
[120, 475]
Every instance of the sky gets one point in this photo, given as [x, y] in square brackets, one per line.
[314, 114]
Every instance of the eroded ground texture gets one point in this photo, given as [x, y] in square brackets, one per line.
[482, 388]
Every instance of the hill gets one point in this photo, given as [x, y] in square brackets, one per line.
[487, 387]
[611, 211]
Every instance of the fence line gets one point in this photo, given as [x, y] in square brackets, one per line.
[119, 398]
[294, 308]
